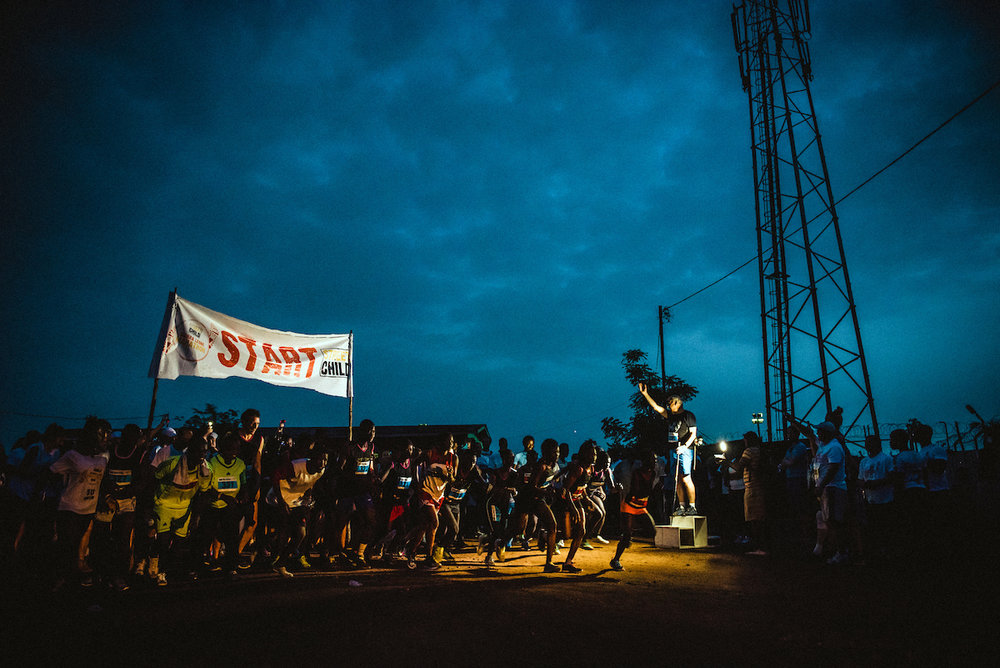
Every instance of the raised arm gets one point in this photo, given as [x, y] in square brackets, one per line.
[644, 391]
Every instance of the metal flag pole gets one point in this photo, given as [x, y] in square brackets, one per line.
[154, 366]
[350, 386]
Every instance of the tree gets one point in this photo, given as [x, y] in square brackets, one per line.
[645, 428]
[222, 421]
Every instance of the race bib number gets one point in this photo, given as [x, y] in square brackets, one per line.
[403, 484]
[362, 467]
[227, 484]
[120, 477]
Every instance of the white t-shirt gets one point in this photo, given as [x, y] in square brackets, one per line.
[878, 467]
[82, 475]
[294, 488]
[911, 465]
[936, 482]
[827, 455]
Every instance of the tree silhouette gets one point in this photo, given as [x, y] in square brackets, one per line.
[645, 429]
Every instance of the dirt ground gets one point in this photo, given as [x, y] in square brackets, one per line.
[702, 607]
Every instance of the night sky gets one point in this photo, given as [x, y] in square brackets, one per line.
[494, 196]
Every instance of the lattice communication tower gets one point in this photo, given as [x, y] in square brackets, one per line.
[813, 357]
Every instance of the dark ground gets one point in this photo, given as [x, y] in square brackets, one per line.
[702, 607]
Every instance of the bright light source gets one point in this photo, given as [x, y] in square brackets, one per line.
[723, 446]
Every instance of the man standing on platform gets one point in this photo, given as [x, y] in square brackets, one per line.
[682, 431]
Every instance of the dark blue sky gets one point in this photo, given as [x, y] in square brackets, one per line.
[494, 196]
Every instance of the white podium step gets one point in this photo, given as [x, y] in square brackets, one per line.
[683, 532]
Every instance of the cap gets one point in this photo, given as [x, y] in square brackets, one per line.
[168, 432]
[828, 427]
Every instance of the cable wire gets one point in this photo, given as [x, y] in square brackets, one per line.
[863, 183]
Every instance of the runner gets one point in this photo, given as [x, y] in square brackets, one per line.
[635, 499]
[569, 509]
[435, 471]
[355, 490]
[178, 480]
[394, 501]
[82, 470]
[467, 475]
[291, 495]
[500, 504]
[533, 498]
[595, 498]
[232, 486]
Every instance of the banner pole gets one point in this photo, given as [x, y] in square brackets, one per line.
[350, 386]
[160, 342]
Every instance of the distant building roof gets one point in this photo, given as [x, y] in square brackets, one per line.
[422, 435]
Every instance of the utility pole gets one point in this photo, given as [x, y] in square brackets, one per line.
[664, 316]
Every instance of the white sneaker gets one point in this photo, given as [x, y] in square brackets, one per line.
[602, 540]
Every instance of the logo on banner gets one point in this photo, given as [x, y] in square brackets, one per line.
[335, 363]
[195, 341]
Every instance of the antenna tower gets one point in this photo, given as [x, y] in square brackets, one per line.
[813, 357]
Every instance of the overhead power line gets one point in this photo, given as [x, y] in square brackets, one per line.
[861, 185]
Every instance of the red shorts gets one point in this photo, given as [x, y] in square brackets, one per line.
[633, 507]
[426, 499]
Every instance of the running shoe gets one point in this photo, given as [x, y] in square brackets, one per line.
[411, 563]
[431, 564]
[119, 583]
[586, 545]
[560, 543]
[602, 540]
[525, 545]
[284, 572]
[501, 549]
[551, 568]
[838, 559]
[161, 579]
[489, 561]
[87, 581]
[616, 565]
[568, 567]
[303, 563]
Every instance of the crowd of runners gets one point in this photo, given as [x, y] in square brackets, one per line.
[160, 505]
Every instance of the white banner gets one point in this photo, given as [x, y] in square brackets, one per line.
[195, 341]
